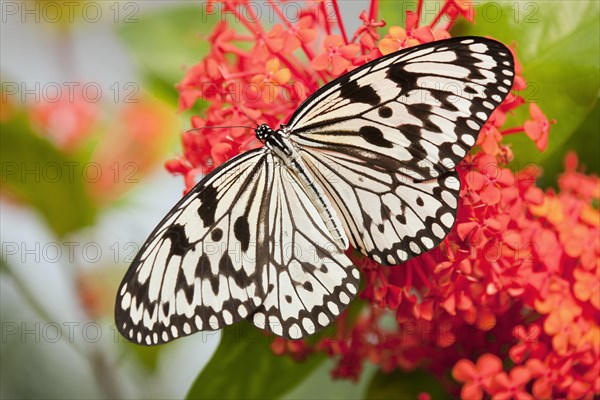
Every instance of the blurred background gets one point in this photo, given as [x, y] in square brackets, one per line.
[89, 116]
[87, 124]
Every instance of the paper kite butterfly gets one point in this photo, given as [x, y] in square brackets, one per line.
[367, 161]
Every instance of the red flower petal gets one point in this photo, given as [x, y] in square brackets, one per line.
[320, 62]
[464, 370]
[490, 195]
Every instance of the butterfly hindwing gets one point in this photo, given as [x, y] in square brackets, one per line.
[387, 215]
[310, 280]
[200, 269]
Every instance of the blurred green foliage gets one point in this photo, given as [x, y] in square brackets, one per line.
[39, 174]
[404, 385]
[558, 46]
[165, 41]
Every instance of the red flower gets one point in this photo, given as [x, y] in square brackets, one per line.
[300, 34]
[529, 343]
[269, 43]
[400, 38]
[337, 55]
[464, 8]
[587, 286]
[547, 374]
[488, 179]
[476, 378]
[266, 82]
[511, 386]
[67, 120]
[537, 128]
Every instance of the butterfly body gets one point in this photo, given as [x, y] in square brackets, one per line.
[368, 160]
[277, 141]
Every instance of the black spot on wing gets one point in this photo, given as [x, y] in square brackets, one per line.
[417, 150]
[406, 81]
[308, 267]
[208, 206]
[226, 268]
[367, 221]
[384, 112]
[216, 234]
[179, 241]
[422, 112]
[446, 99]
[359, 94]
[385, 212]
[241, 230]
[241, 278]
[374, 136]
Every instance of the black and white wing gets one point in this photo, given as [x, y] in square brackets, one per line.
[309, 279]
[384, 139]
[201, 268]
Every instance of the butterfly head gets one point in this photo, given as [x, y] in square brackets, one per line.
[263, 132]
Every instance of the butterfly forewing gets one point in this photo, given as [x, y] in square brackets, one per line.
[417, 111]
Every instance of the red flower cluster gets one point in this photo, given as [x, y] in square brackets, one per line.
[269, 81]
[514, 286]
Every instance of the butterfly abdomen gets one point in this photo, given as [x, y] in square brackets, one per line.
[285, 150]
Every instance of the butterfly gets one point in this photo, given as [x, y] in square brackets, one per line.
[367, 161]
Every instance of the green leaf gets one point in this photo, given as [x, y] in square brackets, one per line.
[393, 12]
[148, 356]
[167, 40]
[404, 385]
[35, 172]
[320, 385]
[586, 142]
[558, 45]
[244, 367]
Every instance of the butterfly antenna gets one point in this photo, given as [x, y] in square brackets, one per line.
[239, 105]
[219, 127]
